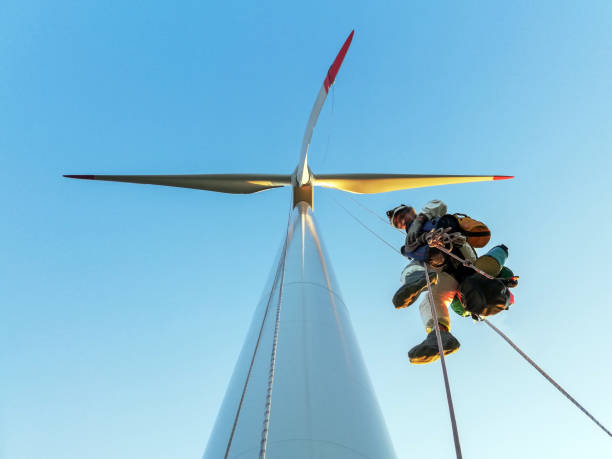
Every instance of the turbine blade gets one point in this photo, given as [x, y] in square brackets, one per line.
[302, 173]
[381, 183]
[223, 183]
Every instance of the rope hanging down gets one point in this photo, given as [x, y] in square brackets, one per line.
[371, 231]
[266, 423]
[280, 269]
[449, 398]
[497, 330]
[543, 373]
[385, 221]
[248, 377]
[268, 409]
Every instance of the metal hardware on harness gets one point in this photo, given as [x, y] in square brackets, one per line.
[440, 239]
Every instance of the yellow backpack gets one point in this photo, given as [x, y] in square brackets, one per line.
[477, 233]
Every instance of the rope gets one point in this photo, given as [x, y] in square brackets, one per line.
[385, 221]
[439, 239]
[266, 423]
[366, 227]
[449, 398]
[494, 328]
[543, 373]
[248, 378]
[263, 322]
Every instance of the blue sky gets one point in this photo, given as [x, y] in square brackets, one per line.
[124, 307]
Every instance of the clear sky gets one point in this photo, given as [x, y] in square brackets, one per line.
[124, 307]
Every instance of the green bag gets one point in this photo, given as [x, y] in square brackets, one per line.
[457, 306]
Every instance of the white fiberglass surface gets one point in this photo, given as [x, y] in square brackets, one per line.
[322, 403]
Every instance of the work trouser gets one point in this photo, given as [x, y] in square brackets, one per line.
[443, 293]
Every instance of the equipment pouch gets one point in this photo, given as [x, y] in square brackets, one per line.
[477, 233]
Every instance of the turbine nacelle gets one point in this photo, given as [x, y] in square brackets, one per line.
[302, 186]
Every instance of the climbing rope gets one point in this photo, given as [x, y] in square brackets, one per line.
[248, 378]
[543, 373]
[385, 221]
[449, 398]
[266, 423]
[271, 373]
[434, 238]
[362, 224]
[442, 240]
[281, 269]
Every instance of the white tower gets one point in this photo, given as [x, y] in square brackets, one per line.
[300, 388]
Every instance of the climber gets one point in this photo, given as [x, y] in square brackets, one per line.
[447, 274]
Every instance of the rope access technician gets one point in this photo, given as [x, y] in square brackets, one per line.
[441, 247]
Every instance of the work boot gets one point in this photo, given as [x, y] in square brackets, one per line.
[414, 284]
[427, 351]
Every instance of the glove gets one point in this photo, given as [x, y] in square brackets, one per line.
[414, 231]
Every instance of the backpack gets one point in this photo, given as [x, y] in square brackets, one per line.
[485, 297]
[477, 233]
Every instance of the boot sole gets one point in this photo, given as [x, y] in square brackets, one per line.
[405, 296]
[424, 359]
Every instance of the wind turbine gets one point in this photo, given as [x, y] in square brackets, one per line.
[300, 388]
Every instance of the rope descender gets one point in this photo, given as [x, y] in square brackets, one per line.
[442, 240]
[439, 239]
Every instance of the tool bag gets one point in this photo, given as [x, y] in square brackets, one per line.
[484, 297]
[476, 232]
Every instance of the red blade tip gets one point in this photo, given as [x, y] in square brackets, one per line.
[503, 177]
[333, 70]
